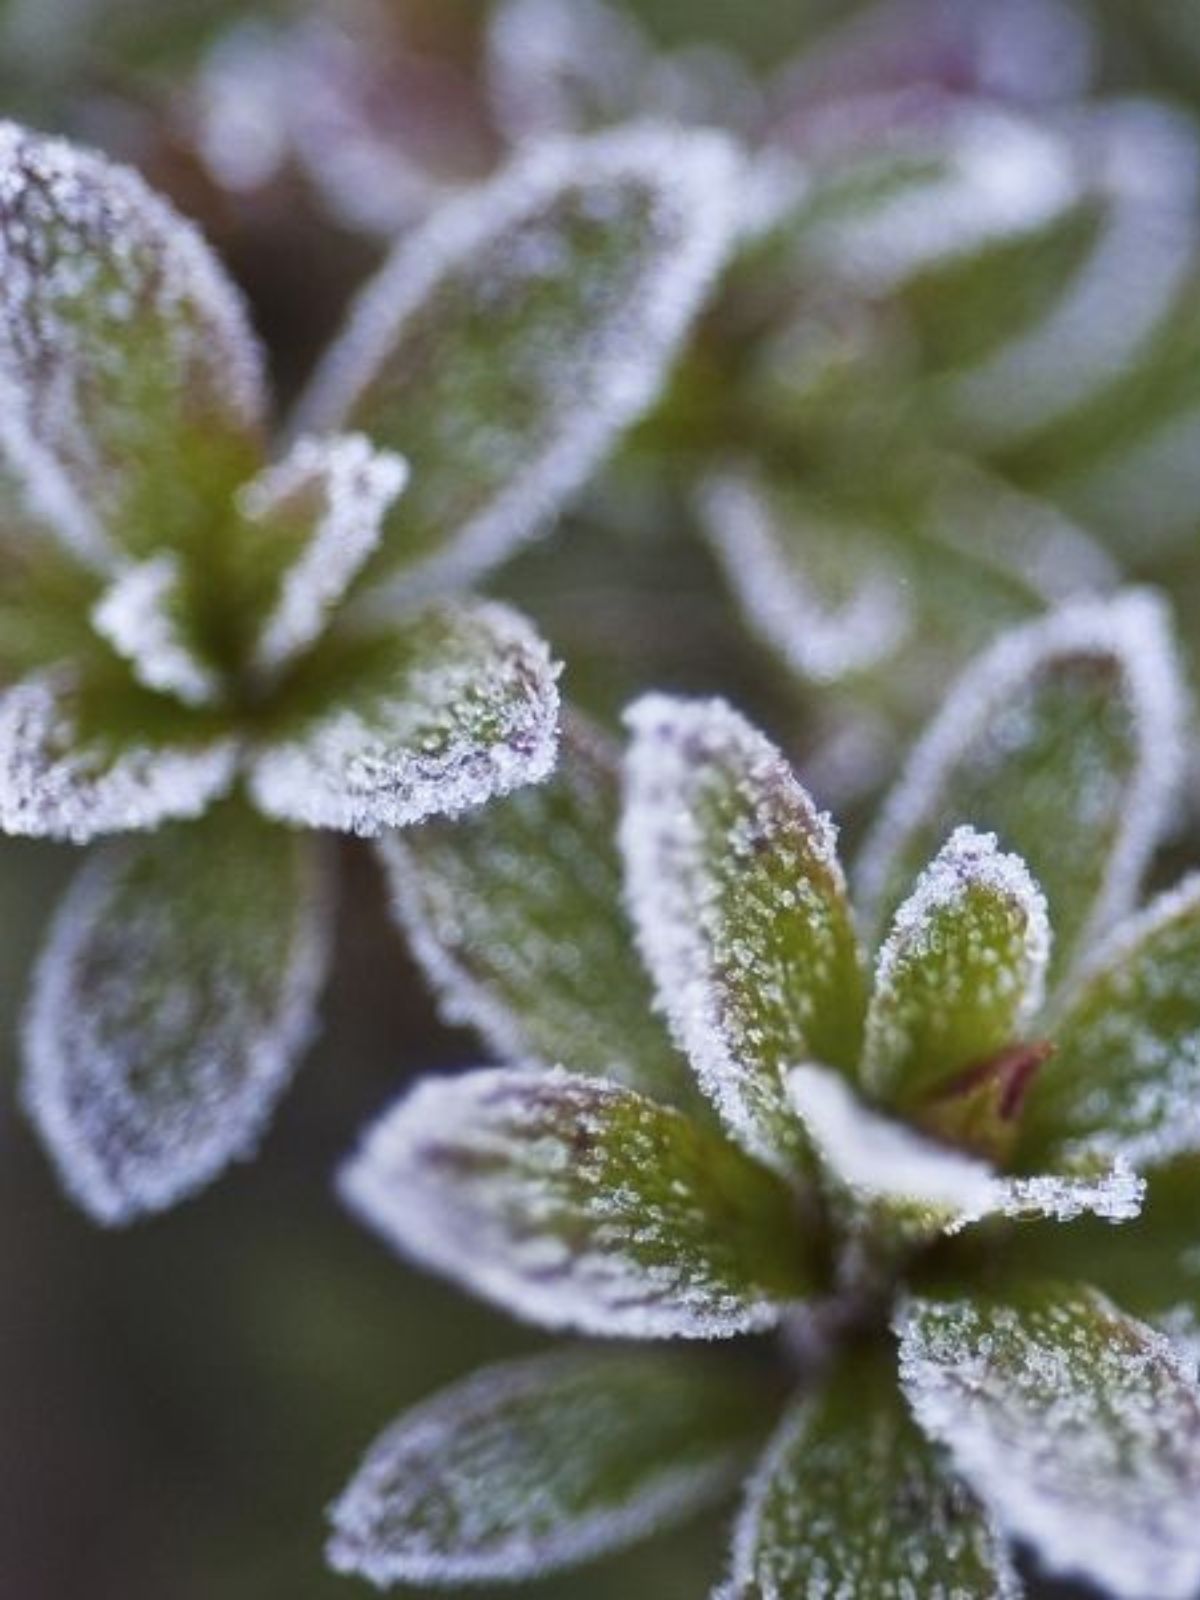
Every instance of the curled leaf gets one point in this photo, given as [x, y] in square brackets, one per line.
[578, 1204]
[170, 1005]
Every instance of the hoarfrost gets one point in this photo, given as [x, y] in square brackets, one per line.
[574, 1203]
[460, 706]
[169, 1006]
[740, 907]
[962, 972]
[490, 481]
[118, 327]
[135, 615]
[535, 1466]
[884, 1163]
[340, 489]
[990, 717]
[1077, 1425]
[55, 785]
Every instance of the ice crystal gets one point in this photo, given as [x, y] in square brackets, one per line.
[452, 706]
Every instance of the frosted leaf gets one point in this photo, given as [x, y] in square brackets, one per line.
[920, 1187]
[325, 504]
[1078, 1426]
[1065, 739]
[1121, 296]
[169, 1007]
[512, 338]
[65, 773]
[741, 912]
[996, 176]
[575, 1203]
[130, 385]
[515, 914]
[962, 972]
[448, 707]
[142, 616]
[1125, 1076]
[850, 1500]
[545, 1463]
[836, 608]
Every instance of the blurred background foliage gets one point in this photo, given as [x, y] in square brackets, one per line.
[179, 1402]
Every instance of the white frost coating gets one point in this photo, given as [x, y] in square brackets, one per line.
[52, 788]
[89, 1037]
[353, 487]
[466, 1177]
[134, 615]
[1131, 628]
[1077, 1425]
[458, 1452]
[1119, 297]
[692, 180]
[68, 217]
[1004, 177]
[48, 494]
[671, 889]
[880, 1160]
[1141, 1099]
[460, 731]
[822, 640]
[967, 863]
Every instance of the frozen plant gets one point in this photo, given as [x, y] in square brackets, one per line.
[866, 1158]
[215, 652]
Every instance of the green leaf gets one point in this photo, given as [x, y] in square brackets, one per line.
[850, 1499]
[174, 995]
[133, 397]
[741, 910]
[1064, 739]
[510, 340]
[515, 913]
[545, 1463]
[1077, 1425]
[442, 709]
[961, 974]
[1125, 1076]
[90, 752]
[579, 1204]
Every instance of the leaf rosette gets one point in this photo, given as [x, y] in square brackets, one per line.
[914, 1137]
[215, 650]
